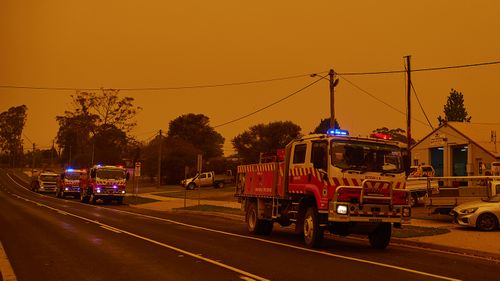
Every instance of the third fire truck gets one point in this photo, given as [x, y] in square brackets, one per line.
[346, 185]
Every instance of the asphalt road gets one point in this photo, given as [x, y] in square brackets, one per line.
[47, 238]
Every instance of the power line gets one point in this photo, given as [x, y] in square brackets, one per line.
[160, 88]
[251, 81]
[419, 69]
[420, 104]
[268, 106]
[379, 100]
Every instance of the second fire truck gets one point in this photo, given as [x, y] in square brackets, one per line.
[346, 185]
[104, 182]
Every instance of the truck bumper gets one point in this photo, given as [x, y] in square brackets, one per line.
[376, 213]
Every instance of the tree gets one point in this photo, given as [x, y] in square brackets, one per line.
[264, 138]
[93, 115]
[454, 109]
[195, 129]
[109, 144]
[12, 124]
[396, 134]
[324, 125]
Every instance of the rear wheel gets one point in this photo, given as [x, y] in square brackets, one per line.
[313, 233]
[256, 225]
[381, 236]
[487, 222]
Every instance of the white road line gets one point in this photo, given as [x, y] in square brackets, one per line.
[277, 243]
[196, 256]
[5, 267]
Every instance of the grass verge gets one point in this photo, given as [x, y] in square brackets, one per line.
[135, 200]
[211, 208]
[409, 231]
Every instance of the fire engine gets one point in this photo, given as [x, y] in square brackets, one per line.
[104, 182]
[335, 182]
[69, 183]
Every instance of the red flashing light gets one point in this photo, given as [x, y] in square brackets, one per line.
[381, 136]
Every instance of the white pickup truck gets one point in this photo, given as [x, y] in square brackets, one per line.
[208, 179]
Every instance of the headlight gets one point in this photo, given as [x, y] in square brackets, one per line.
[468, 211]
[98, 190]
[342, 209]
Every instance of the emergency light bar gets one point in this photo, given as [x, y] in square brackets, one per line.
[337, 132]
[381, 136]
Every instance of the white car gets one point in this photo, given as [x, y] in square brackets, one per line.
[483, 215]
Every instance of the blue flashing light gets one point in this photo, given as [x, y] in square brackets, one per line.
[337, 132]
[69, 170]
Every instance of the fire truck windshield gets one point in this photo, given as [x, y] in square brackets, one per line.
[110, 174]
[366, 156]
[72, 176]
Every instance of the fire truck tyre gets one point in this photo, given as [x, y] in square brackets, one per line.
[119, 200]
[487, 222]
[92, 198]
[313, 233]
[381, 236]
[254, 225]
[83, 197]
[414, 200]
[191, 186]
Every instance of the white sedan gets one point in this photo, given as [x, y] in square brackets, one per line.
[483, 215]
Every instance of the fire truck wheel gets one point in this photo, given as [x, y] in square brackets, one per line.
[83, 197]
[313, 233]
[254, 225]
[413, 200]
[381, 236]
[92, 198]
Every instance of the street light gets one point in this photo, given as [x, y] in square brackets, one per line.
[333, 82]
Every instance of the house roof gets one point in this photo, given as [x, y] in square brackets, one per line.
[479, 133]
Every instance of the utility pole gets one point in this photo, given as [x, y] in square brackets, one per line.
[333, 82]
[159, 159]
[408, 108]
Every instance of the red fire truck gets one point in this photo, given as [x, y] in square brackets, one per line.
[346, 185]
[104, 182]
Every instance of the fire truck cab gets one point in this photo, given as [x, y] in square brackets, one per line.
[328, 182]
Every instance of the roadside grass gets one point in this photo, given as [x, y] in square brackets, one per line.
[223, 194]
[212, 208]
[409, 231]
[136, 200]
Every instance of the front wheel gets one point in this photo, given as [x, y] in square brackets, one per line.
[487, 222]
[313, 233]
[381, 236]
[219, 184]
[191, 186]
[83, 197]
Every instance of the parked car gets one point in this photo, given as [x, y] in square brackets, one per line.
[483, 214]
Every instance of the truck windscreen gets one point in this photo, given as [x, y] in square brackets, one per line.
[110, 174]
[366, 156]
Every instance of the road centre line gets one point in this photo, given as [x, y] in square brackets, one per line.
[255, 239]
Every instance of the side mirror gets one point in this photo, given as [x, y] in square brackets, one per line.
[324, 174]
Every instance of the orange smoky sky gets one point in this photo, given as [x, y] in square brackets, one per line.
[147, 44]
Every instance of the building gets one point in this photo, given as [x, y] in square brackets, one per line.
[459, 149]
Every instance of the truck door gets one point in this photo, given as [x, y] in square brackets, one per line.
[319, 178]
[298, 173]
